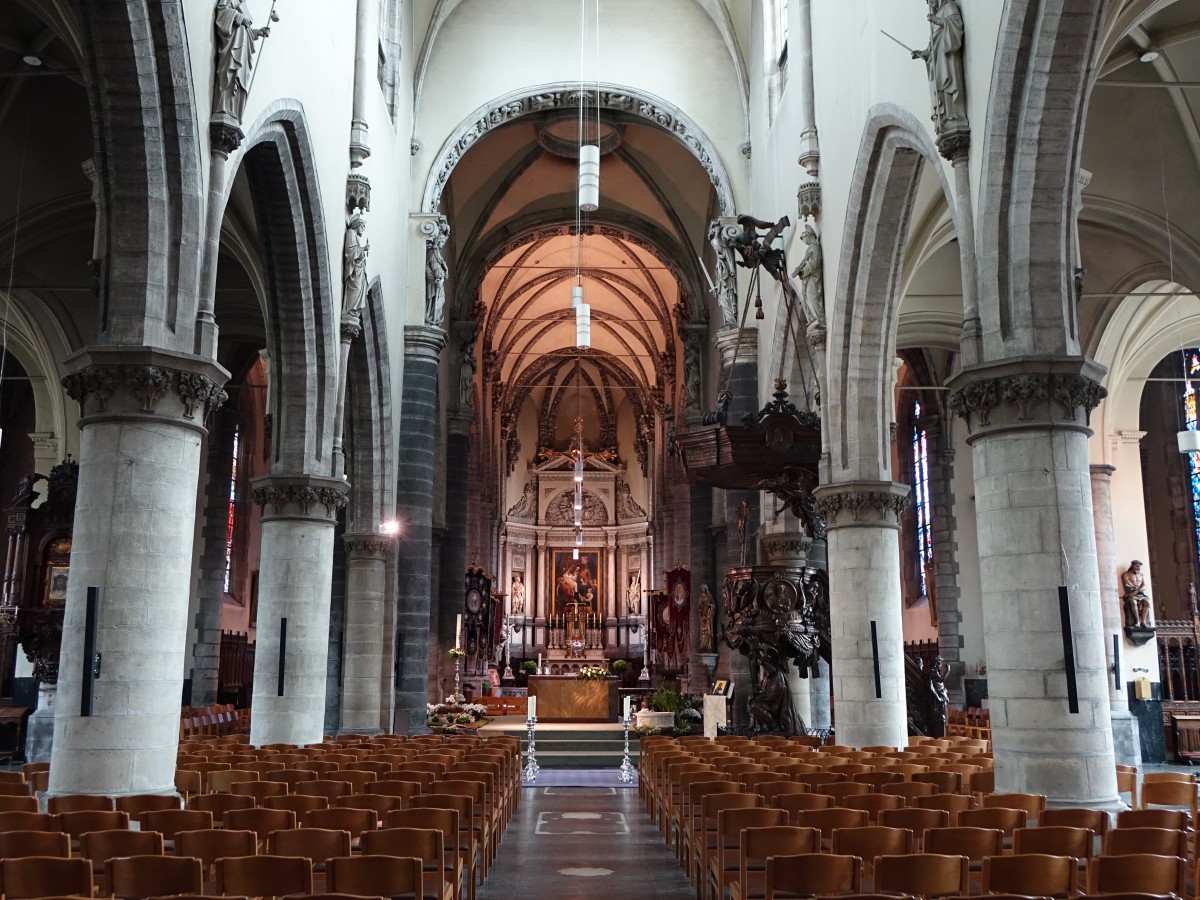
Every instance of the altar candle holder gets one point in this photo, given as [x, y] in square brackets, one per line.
[625, 774]
[531, 766]
[458, 680]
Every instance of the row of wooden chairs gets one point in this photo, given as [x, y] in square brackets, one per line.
[972, 722]
[217, 720]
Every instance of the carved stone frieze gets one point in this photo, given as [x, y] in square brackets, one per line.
[358, 192]
[351, 327]
[808, 200]
[370, 546]
[1027, 392]
[858, 504]
[99, 389]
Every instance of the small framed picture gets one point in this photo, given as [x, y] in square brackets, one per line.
[56, 584]
[720, 686]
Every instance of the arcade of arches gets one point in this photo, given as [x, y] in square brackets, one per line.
[292, 373]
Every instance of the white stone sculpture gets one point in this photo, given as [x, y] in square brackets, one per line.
[726, 282]
[944, 63]
[810, 272]
[235, 37]
[435, 274]
[354, 266]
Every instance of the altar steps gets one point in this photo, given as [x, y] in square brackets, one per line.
[596, 748]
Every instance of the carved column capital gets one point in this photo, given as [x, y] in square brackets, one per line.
[144, 382]
[742, 342]
[861, 504]
[424, 342]
[368, 546]
[351, 327]
[310, 497]
[1032, 392]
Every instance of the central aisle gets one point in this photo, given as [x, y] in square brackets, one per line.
[575, 843]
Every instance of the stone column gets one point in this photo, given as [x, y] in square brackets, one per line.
[295, 575]
[1028, 433]
[454, 547]
[362, 650]
[863, 535]
[1127, 743]
[703, 663]
[141, 427]
[414, 508]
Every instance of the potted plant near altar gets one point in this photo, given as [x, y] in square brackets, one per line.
[619, 668]
[529, 667]
[664, 704]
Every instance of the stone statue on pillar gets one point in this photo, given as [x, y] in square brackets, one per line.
[708, 609]
[947, 81]
[811, 275]
[517, 595]
[1134, 598]
[354, 266]
[436, 271]
[691, 374]
[235, 39]
[466, 370]
[720, 236]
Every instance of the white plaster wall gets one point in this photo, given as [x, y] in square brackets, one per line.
[1131, 541]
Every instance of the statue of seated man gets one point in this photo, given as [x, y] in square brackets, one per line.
[1133, 596]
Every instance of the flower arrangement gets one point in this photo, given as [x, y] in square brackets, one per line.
[452, 714]
[456, 653]
[646, 730]
[586, 672]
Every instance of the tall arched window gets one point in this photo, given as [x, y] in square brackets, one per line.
[922, 504]
[775, 51]
[1191, 370]
[231, 515]
[391, 32]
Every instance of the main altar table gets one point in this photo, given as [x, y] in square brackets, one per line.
[567, 698]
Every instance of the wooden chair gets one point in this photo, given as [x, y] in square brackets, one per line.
[76, 823]
[1155, 793]
[973, 843]
[210, 844]
[755, 845]
[842, 790]
[297, 803]
[1127, 783]
[869, 841]
[260, 820]
[916, 820]
[806, 874]
[873, 805]
[264, 876]
[1175, 819]
[324, 787]
[922, 874]
[169, 822]
[827, 820]
[360, 780]
[101, 846]
[18, 803]
[380, 804]
[34, 843]
[951, 803]
[1144, 872]
[44, 876]
[343, 818]
[1094, 820]
[816, 780]
[145, 876]
[1055, 840]
[290, 777]
[684, 826]
[772, 790]
[1004, 818]
[63, 803]
[945, 782]
[719, 863]
[445, 821]
[795, 804]
[1159, 841]
[1033, 804]
[392, 787]
[137, 804]
[318, 844]
[908, 791]
[394, 876]
[468, 843]
[878, 779]
[1031, 874]
[188, 783]
[220, 805]
[259, 790]
[426, 844]
[704, 838]
[220, 782]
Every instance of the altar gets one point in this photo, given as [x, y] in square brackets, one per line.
[566, 698]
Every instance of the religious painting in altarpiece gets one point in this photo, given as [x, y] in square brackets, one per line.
[576, 581]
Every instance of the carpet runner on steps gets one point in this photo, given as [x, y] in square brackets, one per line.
[566, 746]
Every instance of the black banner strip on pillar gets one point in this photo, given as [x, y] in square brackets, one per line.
[875, 659]
[282, 655]
[1116, 662]
[1064, 608]
[90, 624]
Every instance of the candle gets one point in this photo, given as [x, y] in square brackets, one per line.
[627, 708]
[533, 707]
[539, 668]
[458, 632]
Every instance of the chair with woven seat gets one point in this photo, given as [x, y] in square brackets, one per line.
[63, 803]
[210, 844]
[169, 822]
[393, 876]
[145, 876]
[264, 876]
[922, 874]
[260, 820]
[426, 844]
[27, 877]
[719, 863]
[806, 874]
[138, 804]
[34, 843]
[755, 845]
[1031, 874]
[1138, 872]
[101, 846]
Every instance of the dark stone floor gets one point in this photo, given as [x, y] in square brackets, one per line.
[583, 843]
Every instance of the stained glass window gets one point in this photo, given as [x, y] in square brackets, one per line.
[1191, 368]
[922, 505]
[231, 513]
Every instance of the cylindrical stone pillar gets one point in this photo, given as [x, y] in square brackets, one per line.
[454, 546]
[1127, 745]
[1028, 434]
[863, 535]
[295, 577]
[362, 648]
[141, 426]
[414, 509]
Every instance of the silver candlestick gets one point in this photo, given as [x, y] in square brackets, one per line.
[531, 766]
[625, 775]
[457, 678]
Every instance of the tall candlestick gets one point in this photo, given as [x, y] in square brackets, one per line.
[458, 632]
[539, 669]
[533, 707]
[626, 708]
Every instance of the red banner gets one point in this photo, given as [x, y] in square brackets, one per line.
[672, 621]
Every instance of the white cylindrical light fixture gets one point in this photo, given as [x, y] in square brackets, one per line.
[583, 326]
[578, 537]
[589, 177]
[576, 296]
[579, 470]
[575, 553]
[1188, 441]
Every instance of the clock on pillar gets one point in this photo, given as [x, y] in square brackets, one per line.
[481, 621]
